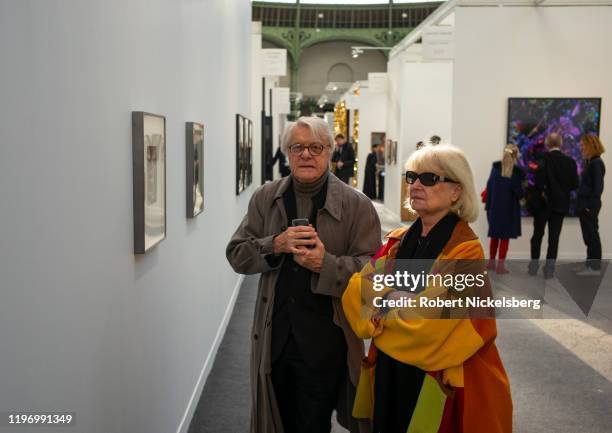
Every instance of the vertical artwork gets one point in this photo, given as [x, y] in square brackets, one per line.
[249, 153]
[240, 184]
[530, 120]
[395, 152]
[244, 153]
[389, 151]
[149, 180]
[194, 135]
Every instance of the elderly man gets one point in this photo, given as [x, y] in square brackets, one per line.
[306, 234]
[556, 177]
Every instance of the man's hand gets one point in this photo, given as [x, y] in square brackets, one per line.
[295, 240]
[311, 259]
[339, 164]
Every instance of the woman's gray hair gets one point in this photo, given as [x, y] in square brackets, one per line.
[317, 126]
[449, 161]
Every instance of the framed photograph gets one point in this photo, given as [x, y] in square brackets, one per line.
[149, 179]
[249, 153]
[389, 150]
[194, 134]
[395, 152]
[377, 138]
[240, 181]
[530, 120]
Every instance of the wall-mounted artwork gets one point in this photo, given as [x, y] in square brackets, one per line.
[389, 151]
[149, 179]
[377, 138]
[395, 152]
[249, 153]
[530, 120]
[194, 137]
[244, 153]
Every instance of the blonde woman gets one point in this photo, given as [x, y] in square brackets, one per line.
[589, 201]
[429, 375]
[504, 191]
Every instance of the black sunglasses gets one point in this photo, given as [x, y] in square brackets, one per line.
[427, 179]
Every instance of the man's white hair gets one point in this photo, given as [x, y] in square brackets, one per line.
[317, 126]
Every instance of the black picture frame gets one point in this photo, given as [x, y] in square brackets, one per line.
[249, 155]
[194, 152]
[149, 179]
[244, 153]
[240, 184]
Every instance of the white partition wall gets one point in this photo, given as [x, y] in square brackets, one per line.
[427, 104]
[420, 105]
[529, 52]
[124, 341]
[394, 113]
[372, 118]
[256, 101]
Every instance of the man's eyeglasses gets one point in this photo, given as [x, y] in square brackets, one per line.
[427, 179]
[314, 148]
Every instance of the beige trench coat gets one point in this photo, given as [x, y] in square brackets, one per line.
[349, 227]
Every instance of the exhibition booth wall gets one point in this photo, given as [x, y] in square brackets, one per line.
[393, 130]
[123, 341]
[419, 106]
[500, 53]
[372, 118]
[529, 52]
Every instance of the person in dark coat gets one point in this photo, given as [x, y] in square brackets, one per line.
[369, 178]
[344, 158]
[504, 191]
[589, 202]
[283, 165]
[380, 171]
[556, 176]
[305, 358]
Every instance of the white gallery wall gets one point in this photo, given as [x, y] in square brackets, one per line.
[85, 326]
[256, 102]
[423, 108]
[372, 118]
[393, 131]
[529, 52]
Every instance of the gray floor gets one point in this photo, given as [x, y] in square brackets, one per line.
[553, 390]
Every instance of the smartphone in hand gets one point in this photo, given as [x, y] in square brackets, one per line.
[300, 222]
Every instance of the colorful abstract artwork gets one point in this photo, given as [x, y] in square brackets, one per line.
[530, 120]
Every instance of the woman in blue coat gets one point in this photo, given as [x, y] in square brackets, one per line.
[504, 191]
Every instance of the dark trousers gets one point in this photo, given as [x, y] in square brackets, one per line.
[343, 176]
[555, 223]
[589, 223]
[306, 398]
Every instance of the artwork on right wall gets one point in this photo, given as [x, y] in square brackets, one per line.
[530, 120]
[244, 153]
